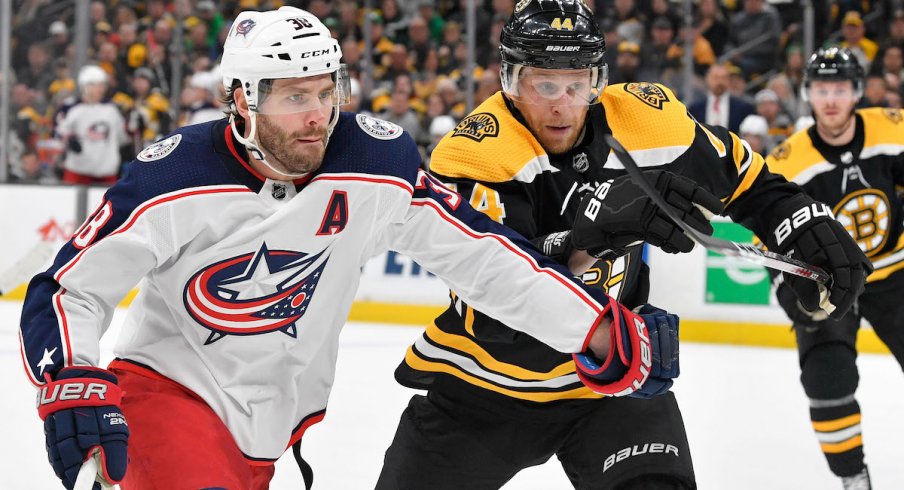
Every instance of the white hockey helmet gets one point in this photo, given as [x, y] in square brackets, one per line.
[284, 43]
[91, 74]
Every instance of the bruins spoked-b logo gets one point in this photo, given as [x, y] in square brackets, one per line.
[478, 126]
[650, 93]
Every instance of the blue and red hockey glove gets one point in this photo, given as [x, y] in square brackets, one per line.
[80, 410]
[643, 354]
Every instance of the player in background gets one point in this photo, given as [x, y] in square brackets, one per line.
[94, 130]
[249, 235]
[852, 160]
[533, 157]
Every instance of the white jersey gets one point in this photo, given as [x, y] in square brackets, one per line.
[101, 130]
[248, 281]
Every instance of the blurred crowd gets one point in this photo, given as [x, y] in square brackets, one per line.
[747, 60]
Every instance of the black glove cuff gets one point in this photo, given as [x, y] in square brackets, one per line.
[556, 246]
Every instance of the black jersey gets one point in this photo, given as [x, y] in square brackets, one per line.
[861, 181]
[494, 161]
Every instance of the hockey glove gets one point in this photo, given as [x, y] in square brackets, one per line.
[75, 146]
[643, 354]
[807, 230]
[619, 214]
[80, 409]
[796, 312]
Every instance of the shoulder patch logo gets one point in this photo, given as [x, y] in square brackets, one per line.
[781, 151]
[378, 128]
[894, 115]
[649, 93]
[478, 126]
[160, 149]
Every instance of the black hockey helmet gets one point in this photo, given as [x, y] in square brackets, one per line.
[553, 35]
[834, 63]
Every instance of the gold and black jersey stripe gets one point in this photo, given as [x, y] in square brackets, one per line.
[861, 181]
[493, 160]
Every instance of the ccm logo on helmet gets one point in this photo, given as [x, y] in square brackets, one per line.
[563, 48]
[72, 391]
[316, 52]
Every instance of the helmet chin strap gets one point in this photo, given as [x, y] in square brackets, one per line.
[253, 148]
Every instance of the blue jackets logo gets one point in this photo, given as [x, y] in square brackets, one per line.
[254, 293]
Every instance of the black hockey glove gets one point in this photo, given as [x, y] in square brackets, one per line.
[796, 312]
[806, 230]
[80, 409]
[618, 214]
[643, 354]
[75, 146]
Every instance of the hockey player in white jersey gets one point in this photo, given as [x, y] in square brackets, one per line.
[249, 236]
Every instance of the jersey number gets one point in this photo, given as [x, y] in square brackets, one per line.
[487, 201]
[86, 234]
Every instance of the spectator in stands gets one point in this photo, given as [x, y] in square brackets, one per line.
[854, 31]
[712, 24]
[750, 24]
[37, 74]
[661, 56]
[419, 41]
[400, 112]
[892, 60]
[787, 95]
[150, 118]
[30, 170]
[348, 27]
[94, 131]
[874, 92]
[63, 85]
[720, 108]
[755, 131]
[426, 9]
[59, 38]
[399, 64]
[661, 8]
[98, 11]
[629, 19]
[488, 84]
[768, 105]
[382, 45]
[28, 122]
[453, 98]
[627, 63]
[210, 16]
[896, 29]
[703, 55]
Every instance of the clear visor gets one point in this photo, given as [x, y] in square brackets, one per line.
[824, 91]
[293, 95]
[541, 86]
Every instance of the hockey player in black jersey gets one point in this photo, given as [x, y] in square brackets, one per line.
[852, 160]
[533, 157]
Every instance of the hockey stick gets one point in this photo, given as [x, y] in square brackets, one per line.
[25, 267]
[728, 248]
[87, 476]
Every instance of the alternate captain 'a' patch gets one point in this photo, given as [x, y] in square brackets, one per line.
[478, 126]
[378, 128]
[649, 93]
[160, 149]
